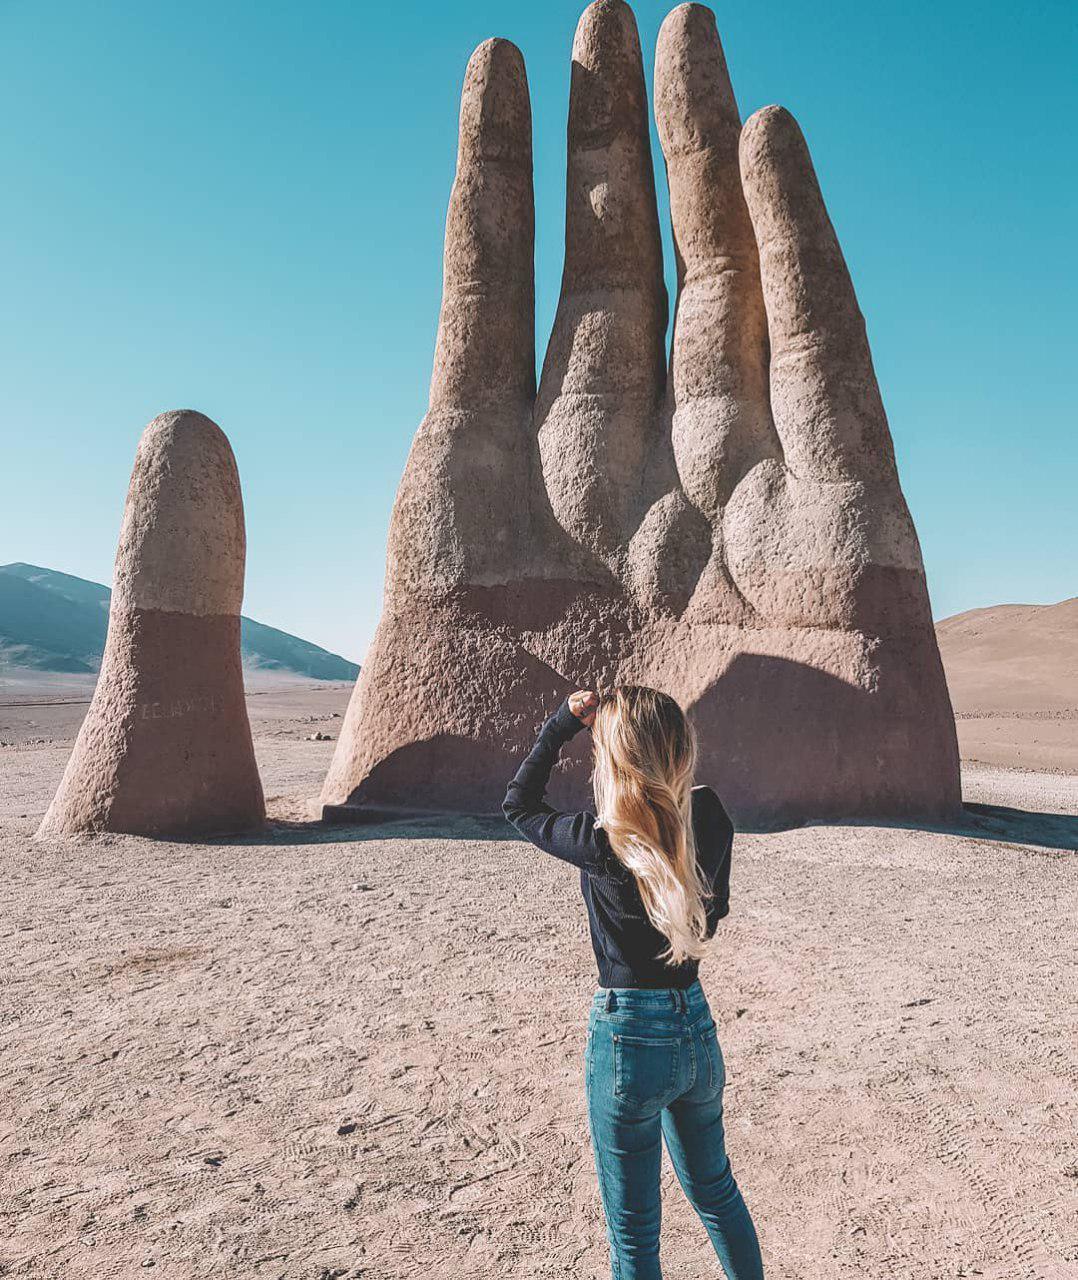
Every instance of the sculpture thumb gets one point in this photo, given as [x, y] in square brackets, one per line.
[165, 748]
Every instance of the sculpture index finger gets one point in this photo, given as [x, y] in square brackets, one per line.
[604, 369]
[464, 507]
[485, 351]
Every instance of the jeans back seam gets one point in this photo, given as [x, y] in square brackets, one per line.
[615, 1261]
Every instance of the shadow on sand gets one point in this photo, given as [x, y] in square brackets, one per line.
[375, 826]
[1013, 826]
[996, 823]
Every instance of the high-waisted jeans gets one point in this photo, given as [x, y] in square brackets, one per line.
[654, 1068]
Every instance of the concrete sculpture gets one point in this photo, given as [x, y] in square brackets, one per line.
[165, 748]
[727, 526]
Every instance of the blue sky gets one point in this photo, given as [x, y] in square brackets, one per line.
[239, 208]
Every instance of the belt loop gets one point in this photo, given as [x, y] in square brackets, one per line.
[610, 1001]
[683, 1001]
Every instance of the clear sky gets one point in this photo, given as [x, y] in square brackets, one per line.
[239, 208]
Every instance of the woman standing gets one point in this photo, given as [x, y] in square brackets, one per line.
[655, 872]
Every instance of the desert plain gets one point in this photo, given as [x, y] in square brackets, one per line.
[324, 1052]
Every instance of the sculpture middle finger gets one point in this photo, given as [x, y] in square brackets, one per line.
[604, 374]
[722, 422]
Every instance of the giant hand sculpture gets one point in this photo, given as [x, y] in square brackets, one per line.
[730, 529]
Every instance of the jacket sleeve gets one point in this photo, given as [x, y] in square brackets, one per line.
[568, 836]
[718, 831]
[721, 884]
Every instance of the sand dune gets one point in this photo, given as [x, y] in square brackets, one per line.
[1013, 674]
[1012, 657]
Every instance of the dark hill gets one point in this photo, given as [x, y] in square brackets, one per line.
[53, 621]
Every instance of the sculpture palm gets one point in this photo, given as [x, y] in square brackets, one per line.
[728, 526]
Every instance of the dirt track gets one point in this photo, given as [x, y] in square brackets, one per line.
[327, 1053]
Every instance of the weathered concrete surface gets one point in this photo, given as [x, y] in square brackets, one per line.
[165, 748]
[728, 527]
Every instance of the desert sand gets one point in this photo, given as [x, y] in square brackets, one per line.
[324, 1052]
[1013, 675]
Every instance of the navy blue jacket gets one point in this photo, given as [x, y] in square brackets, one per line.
[627, 945]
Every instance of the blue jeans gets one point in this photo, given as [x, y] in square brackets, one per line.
[654, 1068]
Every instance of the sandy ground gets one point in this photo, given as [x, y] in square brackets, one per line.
[358, 1052]
[1030, 740]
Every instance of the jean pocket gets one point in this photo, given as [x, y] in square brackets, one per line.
[646, 1069]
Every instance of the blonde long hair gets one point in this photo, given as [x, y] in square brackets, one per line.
[645, 758]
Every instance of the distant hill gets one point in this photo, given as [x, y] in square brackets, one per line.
[54, 622]
[1012, 658]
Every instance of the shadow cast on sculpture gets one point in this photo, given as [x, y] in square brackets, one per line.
[785, 743]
